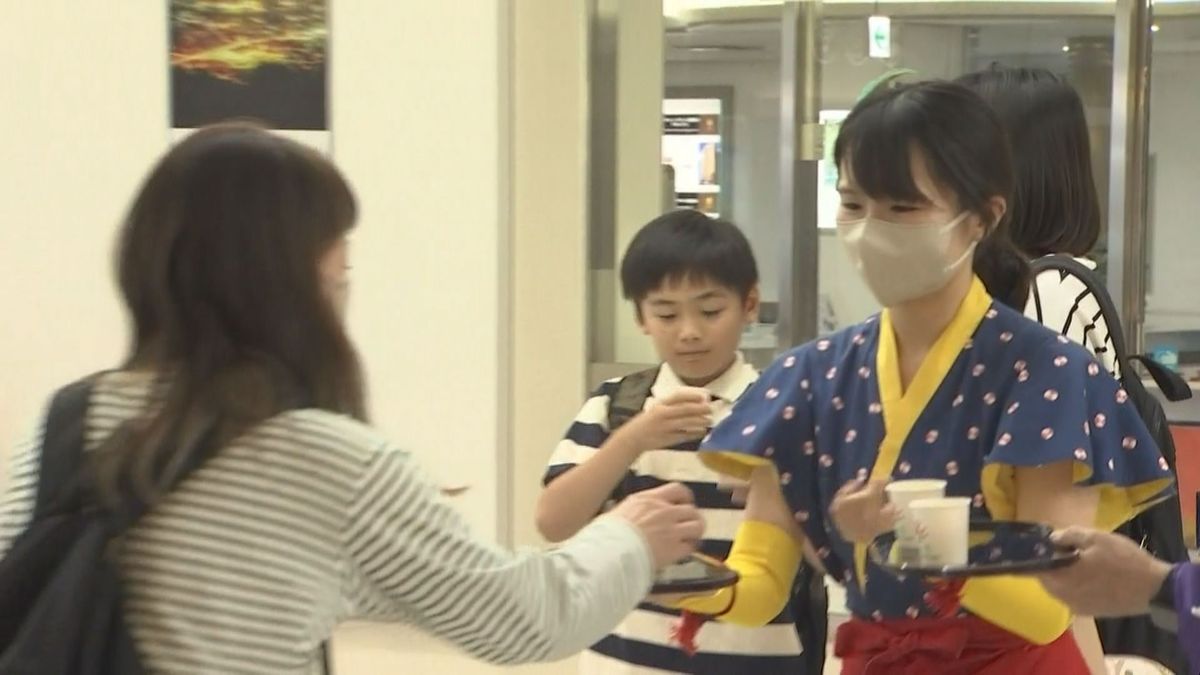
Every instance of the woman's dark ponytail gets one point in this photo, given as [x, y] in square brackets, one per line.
[1002, 267]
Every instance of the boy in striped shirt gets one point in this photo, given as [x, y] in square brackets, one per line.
[693, 281]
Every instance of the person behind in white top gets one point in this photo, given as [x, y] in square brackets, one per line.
[693, 284]
[1055, 209]
[233, 264]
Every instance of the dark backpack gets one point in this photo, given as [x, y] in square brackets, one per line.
[630, 397]
[60, 586]
[1159, 528]
[810, 600]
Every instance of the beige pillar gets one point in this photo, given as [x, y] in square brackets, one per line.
[635, 29]
[549, 222]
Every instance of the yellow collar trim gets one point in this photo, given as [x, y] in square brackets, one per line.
[901, 408]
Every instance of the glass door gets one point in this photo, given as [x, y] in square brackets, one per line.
[731, 107]
[1172, 239]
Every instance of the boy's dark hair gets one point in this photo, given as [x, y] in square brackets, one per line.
[1055, 207]
[687, 244]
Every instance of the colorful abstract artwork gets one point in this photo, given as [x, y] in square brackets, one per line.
[249, 59]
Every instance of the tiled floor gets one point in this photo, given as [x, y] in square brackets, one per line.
[367, 649]
[373, 649]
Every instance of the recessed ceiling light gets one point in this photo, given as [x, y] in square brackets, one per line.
[717, 49]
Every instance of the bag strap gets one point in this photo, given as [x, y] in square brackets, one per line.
[630, 397]
[66, 483]
[1170, 383]
[61, 472]
[62, 449]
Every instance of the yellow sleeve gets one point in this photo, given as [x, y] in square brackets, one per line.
[1019, 605]
[766, 559]
[1117, 504]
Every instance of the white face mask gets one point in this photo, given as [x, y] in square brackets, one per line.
[903, 262]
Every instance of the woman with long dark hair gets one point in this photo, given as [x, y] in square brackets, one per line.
[1054, 208]
[276, 510]
[1055, 211]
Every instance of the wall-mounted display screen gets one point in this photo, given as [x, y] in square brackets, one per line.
[691, 146]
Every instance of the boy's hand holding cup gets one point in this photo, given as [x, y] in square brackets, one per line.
[684, 416]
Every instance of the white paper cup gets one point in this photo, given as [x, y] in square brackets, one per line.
[942, 527]
[905, 492]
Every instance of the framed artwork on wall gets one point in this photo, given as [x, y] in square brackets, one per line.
[266, 62]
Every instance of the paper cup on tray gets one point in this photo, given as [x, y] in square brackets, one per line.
[902, 493]
[942, 528]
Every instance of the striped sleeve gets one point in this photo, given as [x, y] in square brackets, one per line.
[498, 606]
[20, 488]
[586, 434]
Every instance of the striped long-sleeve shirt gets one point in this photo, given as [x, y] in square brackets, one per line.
[312, 518]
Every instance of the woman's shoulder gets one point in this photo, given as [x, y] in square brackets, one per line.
[1030, 336]
[341, 438]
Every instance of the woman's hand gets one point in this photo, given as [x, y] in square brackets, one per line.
[861, 513]
[667, 518]
[1113, 576]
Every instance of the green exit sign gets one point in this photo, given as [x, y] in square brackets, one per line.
[879, 37]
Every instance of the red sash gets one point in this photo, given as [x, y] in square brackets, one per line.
[956, 646]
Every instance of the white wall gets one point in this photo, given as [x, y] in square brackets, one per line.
[416, 128]
[84, 115]
[422, 121]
